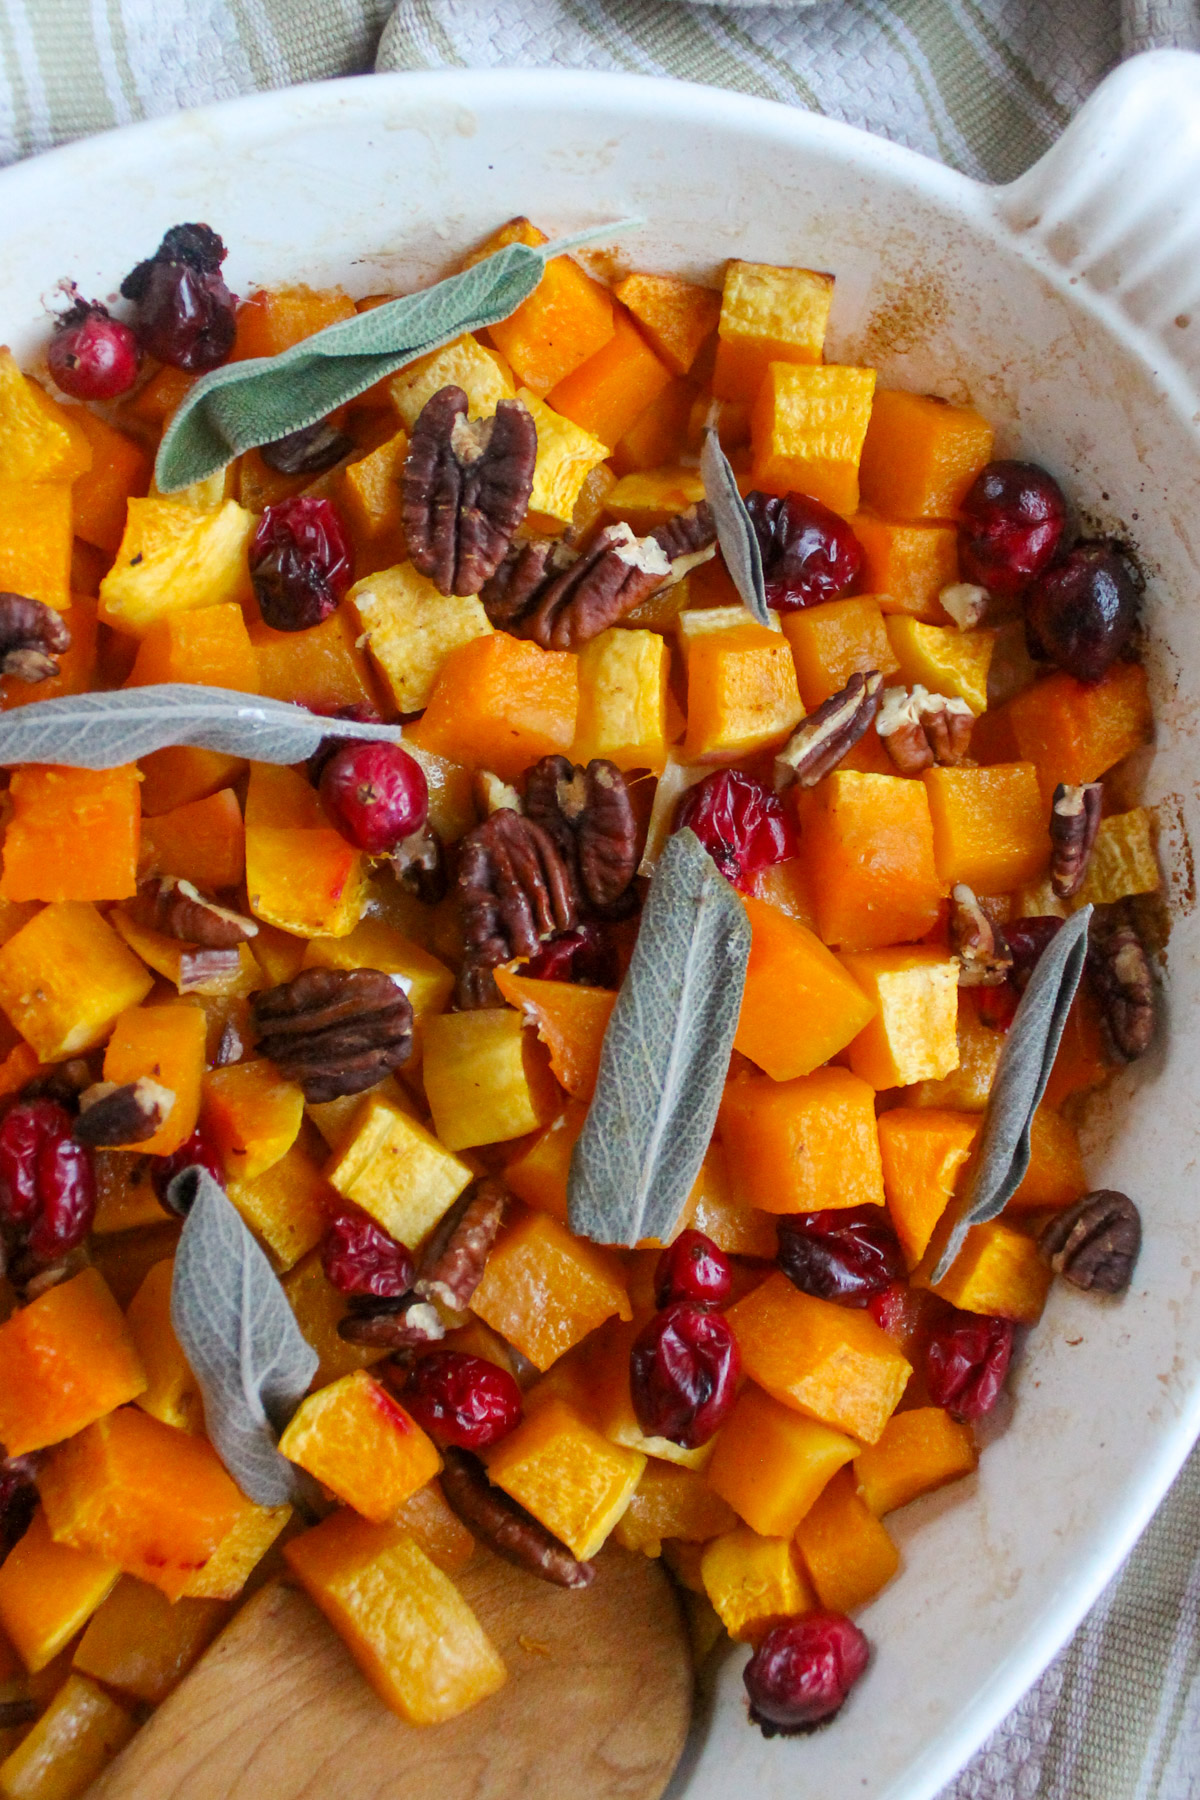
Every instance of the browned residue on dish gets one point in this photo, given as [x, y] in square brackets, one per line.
[907, 314]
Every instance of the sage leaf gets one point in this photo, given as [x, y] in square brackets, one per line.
[665, 1055]
[241, 1340]
[735, 528]
[101, 731]
[244, 404]
[1020, 1081]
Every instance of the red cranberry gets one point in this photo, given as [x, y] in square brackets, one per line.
[586, 955]
[47, 1188]
[848, 1254]
[741, 824]
[896, 1310]
[198, 1151]
[377, 794]
[359, 1257]
[185, 315]
[996, 1007]
[809, 554]
[683, 1372]
[1080, 612]
[966, 1361]
[803, 1670]
[91, 356]
[301, 562]
[463, 1400]
[693, 1268]
[1026, 939]
[1012, 520]
[18, 1499]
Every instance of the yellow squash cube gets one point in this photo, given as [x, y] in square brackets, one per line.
[566, 456]
[997, 1272]
[568, 1476]
[286, 1204]
[238, 1554]
[544, 1289]
[40, 441]
[694, 623]
[397, 1171]
[320, 1308]
[848, 1554]
[174, 557]
[920, 1450]
[990, 826]
[754, 1582]
[48, 1592]
[945, 661]
[173, 1394]
[623, 699]
[79, 1733]
[357, 1441]
[1123, 860]
[66, 977]
[482, 374]
[807, 432]
[411, 629]
[254, 1116]
[742, 694]
[914, 1033]
[484, 1078]
[374, 944]
[301, 874]
[672, 1503]
[650, 497]
[770, 1462]
[768, 315]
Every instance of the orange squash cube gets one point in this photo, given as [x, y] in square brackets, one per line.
[162, 395]
[371, 496]
[273, 319]
[989, 826]
[79, 1733]
[768, 315]
[566, 320]
[65, 977]
[624, 699]
[239, 1553]
[485, 1080]
[143, 1646]
[834, 641]
[165, 1043]
[126, 1258]
[544, 1289]
[99, 497]
[608, 392]
[48, 1592]
[125, 1197]
[1055, 1176]
[754, 1582]
[998, 1272]
[538, 1173]
[713, 1209]
[826, 1361]
[571, 1021]
[848, 1554]
[182, 773]
[73, 834]
[660, 435]
[574, 1481]
[802, 1145]
[807, 430]
[288, 1205]
[921, 454]
[319, 1308]
[254, 1116]
[76, 665]
[360, 1443]
[771, 1463]
[440, 1533]
[671, 1502]
[650, 497]
[40, 439]
[501, 703]
[595, 1381]
[868, 843]
[172, 1394]
[321, 668]
[907, 565]
[301, 874]
[677, 316]
[787, 886]
[742, 693]
[799, 1006]
[35, 550]
[203, 842]
[918, 1451]
[944, 660]
[403, 1621]
[1075, 733]
[1082, 1062]
[68, 1359]
[211, 647]
[913, 1033]
[923, 1152]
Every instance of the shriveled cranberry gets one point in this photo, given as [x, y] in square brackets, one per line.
[741, 824]
[47, 1188]
[966, 1360]
[18, 1499]
[376, 792]
[846, 1254]
[1013, 517]
[586, 955]
[693, 1268]
[359, 1257]
[1026, 938]
[301, 562]
[185, 316]
[683, 1372]
[197, 1151]
[1081, 611]
[803, 1670]
[809, 554]
[93, 356]
[463, 1400]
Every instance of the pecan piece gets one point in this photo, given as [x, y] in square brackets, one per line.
[178, 909]
[561, 604]
[984, 958]
[829, 733]
[506, 1528]
[404, 1323]
[921, 728]
[1119, 970]
[334, 1031]
[589, 815]
[202, 971]
[32, 636]
[454, 1259]
[965, 602]
[419, 865]
[514, 890]
[1074, 822]
[309, 451]
[110, 1115]
[687, 539]
[465, 489]
[1095, 1243]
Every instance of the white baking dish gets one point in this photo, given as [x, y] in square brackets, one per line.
[1067, 307]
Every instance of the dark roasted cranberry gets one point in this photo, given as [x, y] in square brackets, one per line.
[741, 824]
[683, 1372]
[301, 562]
[47, 1188]
[463, 1400]
[359, 1257]
[809, 554]
[996, 1006]
[1012, 520]
[1080, 612]
[693, 1268]
[586, 955]
[92, 356]
[18, 1499]
[845, 1254]
[966, 1361]
[198, 1151]
[185, 315]
[1027, 938]
[803, 1670]
[377, 794]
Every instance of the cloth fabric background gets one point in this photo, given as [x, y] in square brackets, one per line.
[985, 85]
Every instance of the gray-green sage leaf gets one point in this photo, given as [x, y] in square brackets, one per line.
[735, 528]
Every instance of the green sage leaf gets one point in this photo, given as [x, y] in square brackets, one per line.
[735, 528]
[665, 1055]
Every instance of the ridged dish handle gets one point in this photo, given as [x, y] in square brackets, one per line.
[1116, 202]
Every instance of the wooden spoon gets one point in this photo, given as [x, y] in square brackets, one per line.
[596, 1705]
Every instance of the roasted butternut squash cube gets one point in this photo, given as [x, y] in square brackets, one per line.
[166, 1044]
[923, 1152]
[287, 1205]
[76, 1737]
[68, 1359]
[567, 455]
[907, 565]
[322, 667]
[623, 702]
[172, 1393]
[661, 434]
[483, 376]
[574, 1481]
[182, 773]
[567, 319]
[76, 664]
[440, 1533]
[397, 1171]
[48, 1592]
[677, 316]
[692, 623]
[967, 1087]
[713, 1209]
[834, 641]
[319, 1309]
[921, 455]
[742, 694]
[606, 394]
[273, 319]
[65, 977]
[768, 315]
[799, 1006]
[671, 1502]
[174, 557]
[595, 1381]
[501, 703]
[203, 842]
[484, 1080]
[141, 1645]
[868, 842]
[989, 826]
[918, 1451]
[184, 965]
[35, 551]
[239, 1552]
[125, 1197]
[211, 647]
[913, 1033]
[73, 834]
[652, 496]
[254, 1116]
[802, 1145]
[362, 1445]
[998, 1272]
[1055, 1176]
[1123, 861]
[848, 1554]
[771, 1463]
[570, 1019]
[403, 1621]
[301, 874]
[121, 470]
[754, 1582]
[371, 494]
[411, 629]
[807, 430]
[943, 659]
[376, 944]
[826, 1361]
[1083, 1060]
[40, 440]
[544, 1289]
[1074, 732]
[538, 1173]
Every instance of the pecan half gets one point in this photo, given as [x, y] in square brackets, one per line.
[465, 489]
[1095, 1243]
[1119, 970]
[419, 865]
[401, 1324]
[32, 636]
[514, 891]
[590, 817]
[309, 451]
[537, 593]
[129, 1114]
[454, 1259]
[921, 728]
[178, 909]
[984, 957]
[829, 733]
[1074, 822]
[334, 1031]
[506, 1528]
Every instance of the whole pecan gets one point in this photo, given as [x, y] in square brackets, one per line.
[32, 636]
[1094, 1244]
[128, 1114]
[1119, 971]
[514, 890]
[419, 865]
[506, 1528]
[1074, 822]
[921, 728]
[538, 593]
[309, 451]
[334, 1031]
[589, 815]
[401, 1324]
[178, 909]
[984, 958]
[465, 489]
[453, 1261]
[829, 733]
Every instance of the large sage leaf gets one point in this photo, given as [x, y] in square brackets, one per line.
[1020, 1081]
[244, 404]
[735, 528]
[665, 1056]
[241, 1340]
[100, 731]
